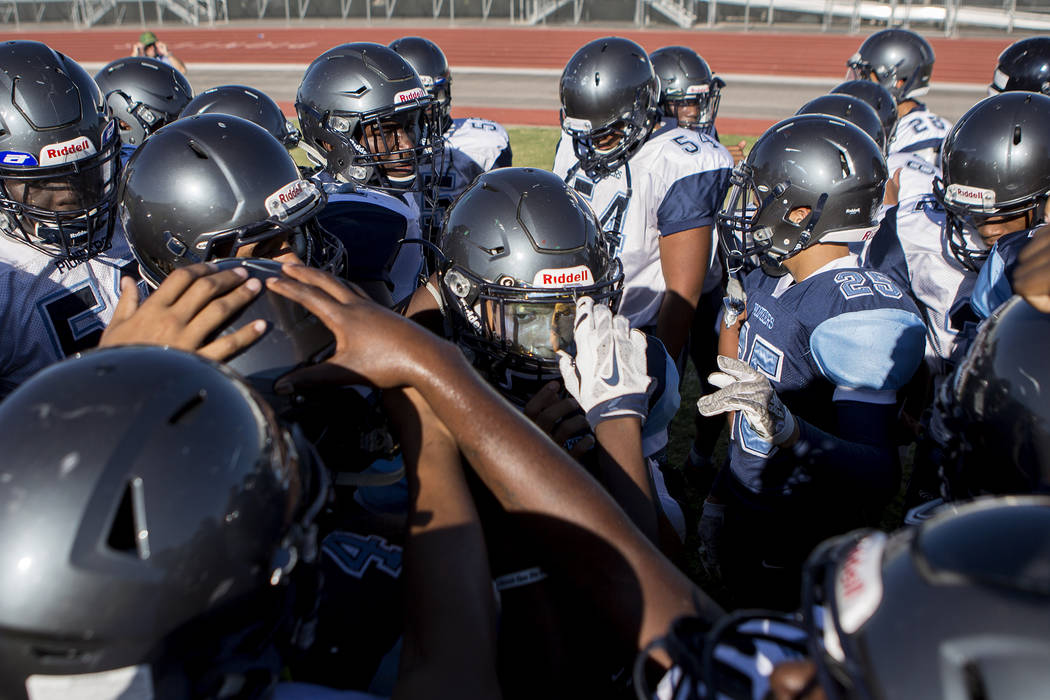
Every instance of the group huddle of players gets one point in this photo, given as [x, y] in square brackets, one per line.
[395, 424]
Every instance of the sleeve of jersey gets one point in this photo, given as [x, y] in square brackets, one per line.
[664, 401]
[885, 254]
[692, 201]
[869, 354]
[992, 287]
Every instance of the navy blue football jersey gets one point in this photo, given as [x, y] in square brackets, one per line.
[845, 333]
[994, 283]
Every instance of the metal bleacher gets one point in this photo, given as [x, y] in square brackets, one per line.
[949, 16]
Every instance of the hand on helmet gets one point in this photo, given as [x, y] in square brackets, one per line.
[745, 389]
[372, 342]
[608, 376]
[187, 308]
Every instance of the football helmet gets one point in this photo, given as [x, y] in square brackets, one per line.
[366, 117]
[877, 97]
[1023, 65]
[817, 162]
[996, 410]
[58, 153]
[247, 103]
[519, 247]
[969, 585]
[687, 81]
[897, 59]
[854, 110]
[609, 103]
[157, 528]
[203, 186]
[994, 162]
[143, 94]
[428, 60]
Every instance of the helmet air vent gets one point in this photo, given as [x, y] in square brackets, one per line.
[128, 534]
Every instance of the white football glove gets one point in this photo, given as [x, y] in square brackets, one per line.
[743, 388]
[608, 377]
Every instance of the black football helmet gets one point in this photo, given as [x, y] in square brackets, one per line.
[877, 97]
[367, 118]
[956, 607]
[1023, 65]
[158, 524]
[813, 161]
[143, 94]
[897, 59]
[247, 103]
[520, 246]
[995, 409]
[58, 153]
[203, 186]
[687, 81]
[854, 110]
[609, 103]
[994, 162]
[428, 60]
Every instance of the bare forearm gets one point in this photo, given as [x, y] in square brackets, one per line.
[674, 321]
[625, 472]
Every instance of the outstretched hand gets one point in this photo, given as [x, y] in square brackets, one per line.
[373, 344]
[745, 389]
[186, 309]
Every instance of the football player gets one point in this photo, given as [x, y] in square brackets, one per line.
[902, 62]
[472, 145]
[61, 254]
[814, 370]
[371, 126]
[1023, 65]
[655, 186]
[143, 94]
[247, 103]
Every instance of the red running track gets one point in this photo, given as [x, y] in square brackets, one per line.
[809, 55]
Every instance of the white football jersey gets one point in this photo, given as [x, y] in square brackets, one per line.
[472, 146]
[910, 247]
[51, 308]
[920, 133]
[917, 174]
[674, 182]
[370, 223]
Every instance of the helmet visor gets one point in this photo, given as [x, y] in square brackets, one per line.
[537, 329]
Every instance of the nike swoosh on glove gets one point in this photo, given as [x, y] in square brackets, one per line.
[745, 389]
[608, 377]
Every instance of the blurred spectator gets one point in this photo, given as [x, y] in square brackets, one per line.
[149, 46]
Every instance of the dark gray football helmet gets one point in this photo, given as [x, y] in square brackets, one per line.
[144, 94]
[428, 60]
[58, 153]
[367, 118]
[994, 162]
[520, 246]
[1023, 65]
[247, 103]
[897, 59]
[154, 513]
[686, 81]
[813, 161]
[996, 408]
[854, 110]
[203, 186]
[877, 97]
[969, 587]
[609, 103]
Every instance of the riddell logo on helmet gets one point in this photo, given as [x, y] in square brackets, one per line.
[67, 151]
[858, 585]
[697, 89]
[288, 197]
[970, 196]
[409, 95]
[579, 276]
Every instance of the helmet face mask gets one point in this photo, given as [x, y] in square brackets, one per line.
[695, 110]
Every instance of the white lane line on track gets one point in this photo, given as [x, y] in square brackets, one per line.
[740, 78]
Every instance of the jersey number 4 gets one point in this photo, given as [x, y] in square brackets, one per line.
[612, 219]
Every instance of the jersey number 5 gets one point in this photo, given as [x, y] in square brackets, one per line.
[855, 284]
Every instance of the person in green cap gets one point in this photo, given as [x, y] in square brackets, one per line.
[149, 46]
